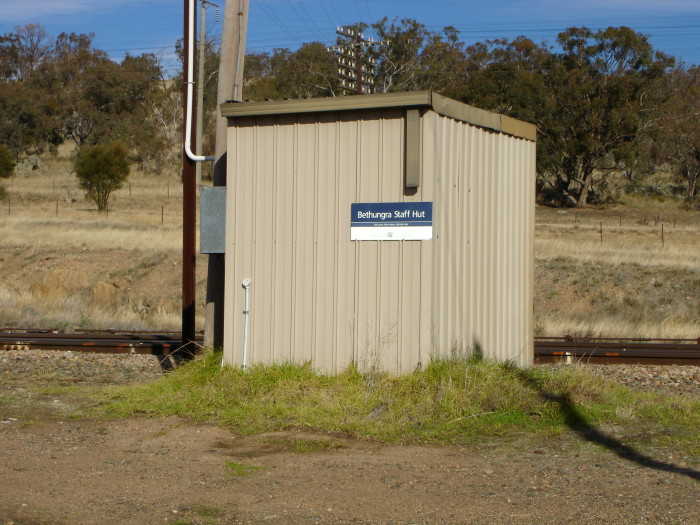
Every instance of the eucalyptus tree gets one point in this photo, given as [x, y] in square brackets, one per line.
[399, 66]
[507, 76]
[677, 143]
[599, 91]
[592, 100]
[64, 89]
[310, 71]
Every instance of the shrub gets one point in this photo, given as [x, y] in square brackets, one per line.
[7, 166]
[102, 169]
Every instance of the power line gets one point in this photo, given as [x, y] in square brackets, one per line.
[300, 17]
[328, 15]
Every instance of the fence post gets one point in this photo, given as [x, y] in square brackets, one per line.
[662, 235]
[601, 232]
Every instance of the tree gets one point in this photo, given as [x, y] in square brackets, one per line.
[101, 170]
[444, 67]
[398, 61]
[26, 123]
[599, 104]
[677, 143]
[34, 46]
[259, 82]
[507, 76]
[310, 71]
[165, 111]
[9, 57]
[7, 166]
[140, 86]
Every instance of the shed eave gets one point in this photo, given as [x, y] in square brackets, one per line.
[410, 99]
[405, 100]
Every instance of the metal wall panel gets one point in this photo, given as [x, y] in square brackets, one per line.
[483, 184]
[316, 296]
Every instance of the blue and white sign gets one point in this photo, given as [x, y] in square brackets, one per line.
[391, 221]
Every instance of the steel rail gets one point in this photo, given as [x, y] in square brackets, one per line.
[102, 342]
[566, 349]
[617, 351]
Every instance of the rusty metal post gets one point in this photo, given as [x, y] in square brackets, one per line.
[189, 212]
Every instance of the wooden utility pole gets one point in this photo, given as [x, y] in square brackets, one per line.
[189, 212]
[230, 87]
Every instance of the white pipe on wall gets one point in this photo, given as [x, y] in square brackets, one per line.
[246, 313]
[190, 84]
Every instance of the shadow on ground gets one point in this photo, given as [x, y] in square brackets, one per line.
[576, 421]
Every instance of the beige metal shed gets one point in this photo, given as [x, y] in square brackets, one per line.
[322, 265]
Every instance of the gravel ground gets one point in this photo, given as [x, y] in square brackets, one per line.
[80, 367]
[58, 470]
[653, 378]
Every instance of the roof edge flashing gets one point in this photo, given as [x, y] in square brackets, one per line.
[405, 100]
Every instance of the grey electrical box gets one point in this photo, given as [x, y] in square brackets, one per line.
[212, 219]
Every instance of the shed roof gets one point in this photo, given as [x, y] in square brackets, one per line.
[411, 99]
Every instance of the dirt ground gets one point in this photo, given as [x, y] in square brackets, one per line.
[59, 470]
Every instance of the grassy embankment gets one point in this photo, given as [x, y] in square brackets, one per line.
[62, 263]
[455, 402]
[635, 282]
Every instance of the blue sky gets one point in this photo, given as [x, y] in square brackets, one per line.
[136, 26]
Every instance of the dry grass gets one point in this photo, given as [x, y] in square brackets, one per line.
[26, 229]
[616, 327]
[627, 245]
[62, 263]
[48, 210]
[633, 283]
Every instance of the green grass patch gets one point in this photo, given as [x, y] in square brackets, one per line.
[301, 446]
[208, 511]
[456, 401]
[238, 469]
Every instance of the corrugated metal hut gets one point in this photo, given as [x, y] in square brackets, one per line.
[380, 230]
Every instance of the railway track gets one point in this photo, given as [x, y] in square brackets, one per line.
[547, 349]
[104, 341]
[569, 349]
